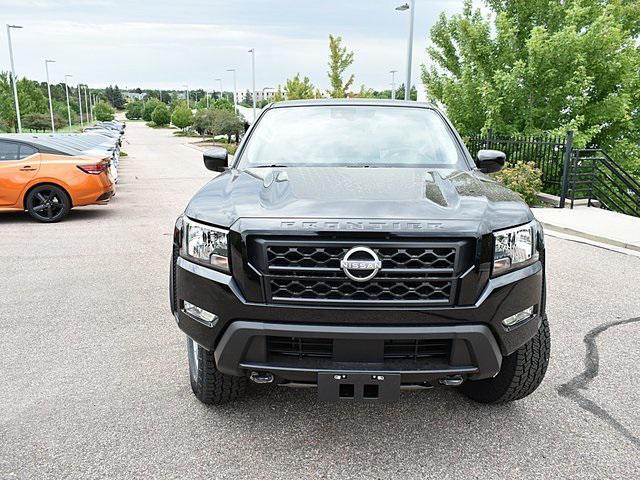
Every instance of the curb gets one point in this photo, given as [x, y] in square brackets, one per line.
[588, 236]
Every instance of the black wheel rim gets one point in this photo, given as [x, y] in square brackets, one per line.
[47, 204]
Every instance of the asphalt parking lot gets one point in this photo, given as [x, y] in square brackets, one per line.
[95, 383]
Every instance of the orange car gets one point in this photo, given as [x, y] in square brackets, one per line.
[48, 180]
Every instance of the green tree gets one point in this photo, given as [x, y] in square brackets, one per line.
[134, 110]
[339, 60]
[103, 111]
[227, 123]
[114, 97]
[542, 66]
[149, 106]
[37, 122]
[222, 104]
[296, 89]
[247, 101]
[203, 121]
[182, 116]
[161, 115]
[279, 95]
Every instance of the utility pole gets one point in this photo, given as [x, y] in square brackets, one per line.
[14, 78]
[46, 67]
[66, 90]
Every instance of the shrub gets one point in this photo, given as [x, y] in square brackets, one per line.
[203, 121]
[161, 115]
[149, 107]
[182, 116]
[524, 178]
[134, 110]
[103, 111]
[222, 104]
[37, 121]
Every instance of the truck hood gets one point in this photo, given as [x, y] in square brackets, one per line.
[468, 197]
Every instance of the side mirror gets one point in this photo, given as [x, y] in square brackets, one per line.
[216, 159]
[489, 161]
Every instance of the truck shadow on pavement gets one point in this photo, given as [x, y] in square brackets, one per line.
[426, 420]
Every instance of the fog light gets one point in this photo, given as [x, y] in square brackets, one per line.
[518, 317]
[200, 314]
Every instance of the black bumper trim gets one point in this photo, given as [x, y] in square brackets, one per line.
[232, 348]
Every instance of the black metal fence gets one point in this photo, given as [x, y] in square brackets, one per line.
[571, 174]
[549, 153]
[596, 177]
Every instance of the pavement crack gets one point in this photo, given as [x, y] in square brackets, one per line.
[572, 388]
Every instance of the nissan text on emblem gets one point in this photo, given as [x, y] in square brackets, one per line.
[360, 264]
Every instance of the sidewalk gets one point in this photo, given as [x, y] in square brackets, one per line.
[594, 224]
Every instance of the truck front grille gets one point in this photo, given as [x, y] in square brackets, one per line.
[329, 257]
[387, 289]
[412, 272]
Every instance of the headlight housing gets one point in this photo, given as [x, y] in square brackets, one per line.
[514, 248]
[204, 244]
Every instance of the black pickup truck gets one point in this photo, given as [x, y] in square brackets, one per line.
[357, 248]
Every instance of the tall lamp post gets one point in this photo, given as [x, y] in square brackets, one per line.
[14, 78]
[46, 67]
[80, 107]
[253, 76]
[393, 84]
[186, 89]
[66, 91]
[235, 93]
[219, 80]
[412, 11]
[86, 104]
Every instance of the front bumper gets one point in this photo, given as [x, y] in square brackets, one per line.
[238, 336]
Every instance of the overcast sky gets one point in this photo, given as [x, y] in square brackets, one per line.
[166, 44]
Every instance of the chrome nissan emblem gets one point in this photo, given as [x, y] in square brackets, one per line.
[360, 264]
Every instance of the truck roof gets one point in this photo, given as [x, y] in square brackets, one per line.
[350, 101]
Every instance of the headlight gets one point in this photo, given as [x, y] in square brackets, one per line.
[205, 244]
[514, 248]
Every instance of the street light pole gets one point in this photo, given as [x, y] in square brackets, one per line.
[219, 80]
[66, 91]
[80, 106]
[15, 79]
[412, 11]
[253, 76]
[235, 93]
[46, 67]
[86, 104]
[393, 84]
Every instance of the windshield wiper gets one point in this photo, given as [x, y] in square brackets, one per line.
[271, 166]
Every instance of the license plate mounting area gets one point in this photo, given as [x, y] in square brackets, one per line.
[358, 387]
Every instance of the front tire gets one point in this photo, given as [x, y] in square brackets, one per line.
[521, 373]
[48, 203]
[208, 384]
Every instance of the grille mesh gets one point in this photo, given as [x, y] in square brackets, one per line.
[394, 349]
[345, 289]
[313, 257]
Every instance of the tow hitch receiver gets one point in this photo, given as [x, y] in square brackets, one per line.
[359, 387]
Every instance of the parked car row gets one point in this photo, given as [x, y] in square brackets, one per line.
[48, 174]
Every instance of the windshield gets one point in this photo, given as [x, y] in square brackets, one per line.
[372, 136]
